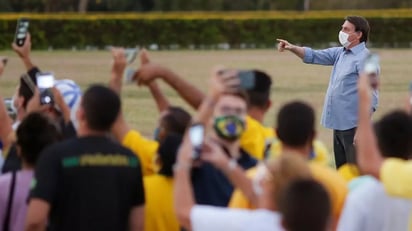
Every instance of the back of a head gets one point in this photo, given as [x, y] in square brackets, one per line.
[394, 134]
[361, 25]
[101, 106]
[259, 96]
[176, 120]
[305, 206]
[296, 124]
[167, 152]
[35, 133]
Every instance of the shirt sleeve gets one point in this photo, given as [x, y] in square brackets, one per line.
[396, 175]
[44, 184]
[223, 218]
[322, 57]
[144, 148]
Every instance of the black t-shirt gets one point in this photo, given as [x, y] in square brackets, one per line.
[91, 183]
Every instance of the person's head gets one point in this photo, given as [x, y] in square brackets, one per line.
[274, 175]
[173, 120]
[35, 133]
[99, 109]
[305, 206]
[355, 30]
[24, 92]
[167, 152]
[229, 115]
[259, 95]
[394, 135]
[296, 125]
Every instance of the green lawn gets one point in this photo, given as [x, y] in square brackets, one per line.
[292, 79]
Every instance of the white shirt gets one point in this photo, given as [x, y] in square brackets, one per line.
[369, 208]
[207, 218]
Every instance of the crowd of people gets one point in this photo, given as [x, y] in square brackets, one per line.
[81, 166]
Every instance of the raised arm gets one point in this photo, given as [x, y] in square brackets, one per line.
[5, 125]
[369, 158]
[161, 101]
[24, 53]
[191, 94]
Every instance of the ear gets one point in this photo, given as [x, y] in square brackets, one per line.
[359, 35]
[268, 105]
[158, 160]
[80, 115]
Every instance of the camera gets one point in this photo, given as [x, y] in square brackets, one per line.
[196, 137]
[45, 81]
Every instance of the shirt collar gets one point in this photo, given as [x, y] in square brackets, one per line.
[356, 49]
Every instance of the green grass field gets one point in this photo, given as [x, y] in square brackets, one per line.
[292, 79]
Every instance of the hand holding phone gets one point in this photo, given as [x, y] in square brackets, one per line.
[196, 136]
[45, 82]
[247, 79]
[21, 31]
[371, 68]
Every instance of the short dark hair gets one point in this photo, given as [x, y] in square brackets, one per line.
[101, 106]
[296, 124]
[305, 206]
[176, 120]
[167, 152]
[25, 90]
[259, 96]
[394, 134]
[35, 133]
[361, 24]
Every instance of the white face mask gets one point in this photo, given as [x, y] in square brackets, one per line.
[343, 39]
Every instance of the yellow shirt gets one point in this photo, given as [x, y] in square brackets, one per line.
[159, 212]
[349, 172]
[254, 139]
[330, 179]
[144, 148]
[321, 154]
[396, 177]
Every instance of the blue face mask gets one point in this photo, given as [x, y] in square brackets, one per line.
[156, 134]
[229, 127]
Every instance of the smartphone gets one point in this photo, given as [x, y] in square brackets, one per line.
[196, 136]
[372, 69]
[131, 54]
[371, 64]
[21, 31]
[128, 75]
[247, 79]
[45, 81]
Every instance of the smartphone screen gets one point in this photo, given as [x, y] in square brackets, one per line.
[247, 79]
[21, 31]
[45, 81]
[196, 136]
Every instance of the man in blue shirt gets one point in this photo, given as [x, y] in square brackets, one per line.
[340, 110]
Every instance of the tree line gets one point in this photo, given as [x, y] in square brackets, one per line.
[193, 5]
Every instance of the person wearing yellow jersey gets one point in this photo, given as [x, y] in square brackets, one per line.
[296, 131]
[159, 211]
[172, 119]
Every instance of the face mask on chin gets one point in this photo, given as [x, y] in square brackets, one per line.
[343, 39]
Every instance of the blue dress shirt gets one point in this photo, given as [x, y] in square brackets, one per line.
[340, 110]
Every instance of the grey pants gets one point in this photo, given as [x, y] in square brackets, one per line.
[343, 146]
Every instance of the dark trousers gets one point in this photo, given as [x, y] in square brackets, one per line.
[343, 146]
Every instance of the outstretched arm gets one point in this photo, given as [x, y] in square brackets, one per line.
[150, 71]
[285, 45]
